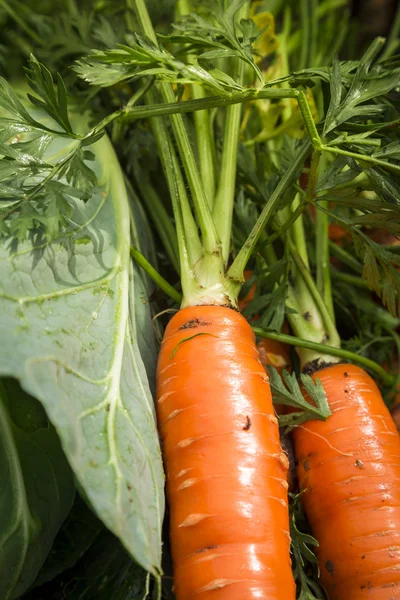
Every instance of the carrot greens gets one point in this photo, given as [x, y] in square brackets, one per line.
[150, 152]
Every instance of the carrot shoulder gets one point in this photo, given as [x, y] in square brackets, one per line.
[350, 469]
[226, 472]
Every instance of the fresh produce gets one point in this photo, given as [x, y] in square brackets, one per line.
[350, 467]
[229, 517]
[151, 155]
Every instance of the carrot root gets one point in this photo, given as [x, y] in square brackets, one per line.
[226, 472]
[350, 469]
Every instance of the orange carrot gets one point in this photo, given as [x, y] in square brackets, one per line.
[226, 472]
[350, 469]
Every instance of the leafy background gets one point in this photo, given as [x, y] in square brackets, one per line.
[87, 341]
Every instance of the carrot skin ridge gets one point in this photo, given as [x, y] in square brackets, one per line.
[226, 472]
[349, 467]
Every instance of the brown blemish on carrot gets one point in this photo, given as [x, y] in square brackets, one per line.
[193, 323]
[330, 567]
[247, 424]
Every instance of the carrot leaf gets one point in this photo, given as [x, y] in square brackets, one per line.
[228, 37]
[304, 560]
[288, 392]
[35, 192]
[380, 269]
[368, 83]
[142, 58]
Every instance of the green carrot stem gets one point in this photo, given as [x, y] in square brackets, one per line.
[308, 15]
[351, 279]
[155, 276]
[251, 94]
[283, 225]
[205, 222]
[204, 133]
[323, 278]
[224, 198]
[225, 195]
[180, 202]
[298, 235]
[304, 327]
[205, 146]
[173, 108]
[333, 336]
[345, 257]
[323, 349]
[363, 158]
[236, 270]
[160, 217]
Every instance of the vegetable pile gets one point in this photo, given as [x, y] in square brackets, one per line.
[199, 301]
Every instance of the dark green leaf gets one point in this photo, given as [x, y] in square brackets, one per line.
[341, 170]
[76, 535]
[10, 102]
[105, 572]
[78, 174]
[288, 392]
[37, 488]
[381, 271]
[303, 557]
[367, 83]
[51, 97]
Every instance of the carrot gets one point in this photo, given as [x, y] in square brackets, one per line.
[226, 472]
[349, 467]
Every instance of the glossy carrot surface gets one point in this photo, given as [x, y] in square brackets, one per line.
[350, 467]
[226, 472]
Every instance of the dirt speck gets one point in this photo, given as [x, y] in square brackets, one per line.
[200, 550]
[330, 567]
[247, 425]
